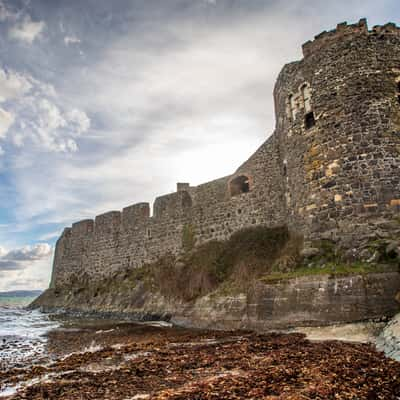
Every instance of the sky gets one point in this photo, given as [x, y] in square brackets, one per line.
[104, 104]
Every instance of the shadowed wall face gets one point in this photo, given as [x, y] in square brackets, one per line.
[239, 185]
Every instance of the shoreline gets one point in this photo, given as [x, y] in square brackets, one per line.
[167, 321]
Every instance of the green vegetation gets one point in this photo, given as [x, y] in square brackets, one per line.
[188, 237]
[232, 266]
[380, 248]
[331, 269]
[224, 265]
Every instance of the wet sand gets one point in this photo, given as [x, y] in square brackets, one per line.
[107, 360]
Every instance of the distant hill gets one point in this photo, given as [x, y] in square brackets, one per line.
[21, 293]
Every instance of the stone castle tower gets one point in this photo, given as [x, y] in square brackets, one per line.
[338, 127]
[331, 169]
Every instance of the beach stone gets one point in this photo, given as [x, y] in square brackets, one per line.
[389, 339]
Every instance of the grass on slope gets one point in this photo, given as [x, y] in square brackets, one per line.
[332, 269]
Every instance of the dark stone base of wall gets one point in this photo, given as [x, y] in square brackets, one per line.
[304, 301]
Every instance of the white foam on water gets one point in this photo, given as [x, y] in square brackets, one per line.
[22, 334]
[15, 322]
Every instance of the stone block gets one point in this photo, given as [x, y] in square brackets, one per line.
[135, 216]
[82, 228]
[181, 186]
[107, 223]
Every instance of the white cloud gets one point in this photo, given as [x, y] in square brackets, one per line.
[6, 14]
[6, 120]
[43, 88]
[28, 275]
[26, 30]
[49, 236]
[1, 153]
[79, 120]
[17, 138]
[50, 117]
[71, 40]
[70, 145]
[28, 253]
[10, 265]
[13, 85]
[37, 114]
[54, 130]
[17, 261]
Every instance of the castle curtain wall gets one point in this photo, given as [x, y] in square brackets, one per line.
[329, 171]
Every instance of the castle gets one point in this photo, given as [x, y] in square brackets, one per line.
[330, 170]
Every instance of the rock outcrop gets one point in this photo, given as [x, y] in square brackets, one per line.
[313, 300]
[389, 340]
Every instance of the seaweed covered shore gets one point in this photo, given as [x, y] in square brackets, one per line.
[145, 362]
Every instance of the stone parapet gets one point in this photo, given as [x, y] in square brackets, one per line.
[135, 215]
[82, 228]
[345, 31]
[107, 223]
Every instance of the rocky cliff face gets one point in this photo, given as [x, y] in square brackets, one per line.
[313, 300]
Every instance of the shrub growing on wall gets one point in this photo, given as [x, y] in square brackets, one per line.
[188, 237]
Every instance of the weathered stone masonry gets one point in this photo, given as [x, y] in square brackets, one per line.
[330, 170]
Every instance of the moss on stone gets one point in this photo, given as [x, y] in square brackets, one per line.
[331, 269]
[188, 237]
[228, 265]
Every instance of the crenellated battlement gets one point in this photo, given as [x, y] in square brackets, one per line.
[343, 30]
[172, 205]
[107, 223]
[135, 216]
[82, 228]
[388, 29]
[67, 232]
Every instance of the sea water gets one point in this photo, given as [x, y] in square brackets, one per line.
[22, 332]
